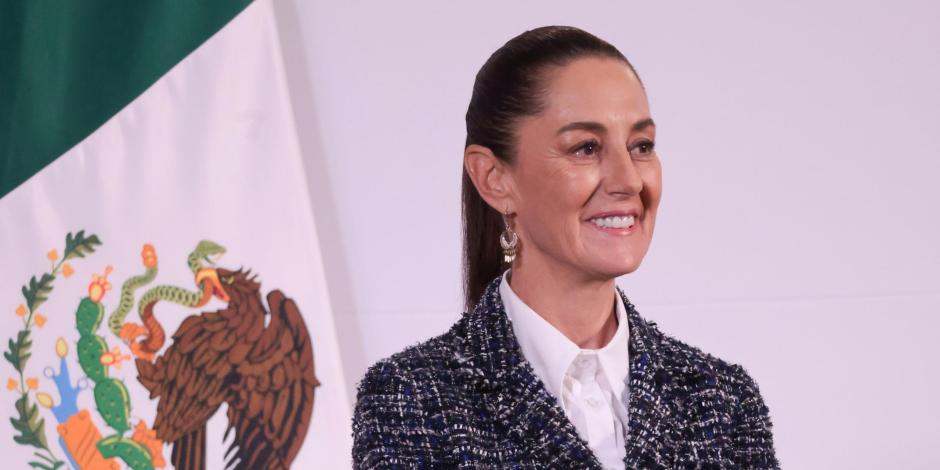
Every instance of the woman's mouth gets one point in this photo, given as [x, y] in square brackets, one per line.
[620, 225]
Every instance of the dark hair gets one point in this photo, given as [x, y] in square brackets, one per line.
[507, 88]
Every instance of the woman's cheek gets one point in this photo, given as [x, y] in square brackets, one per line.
[581, 185]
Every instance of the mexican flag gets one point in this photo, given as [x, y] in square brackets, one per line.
[163, 301]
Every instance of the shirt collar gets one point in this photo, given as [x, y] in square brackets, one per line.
[550, 352]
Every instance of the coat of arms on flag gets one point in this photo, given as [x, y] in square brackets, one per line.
[257, 362]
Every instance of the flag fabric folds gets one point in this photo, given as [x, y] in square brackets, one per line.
[163, 300]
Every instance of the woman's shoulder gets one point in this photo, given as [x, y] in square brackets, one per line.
[690, 364]
[401, 404]
[685, 362]
[719, 387]
[422, 362]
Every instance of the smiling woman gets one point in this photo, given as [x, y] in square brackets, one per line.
[552, 366]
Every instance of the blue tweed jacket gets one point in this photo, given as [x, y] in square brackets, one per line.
[469, 399]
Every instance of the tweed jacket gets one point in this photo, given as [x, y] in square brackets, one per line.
[469, 399]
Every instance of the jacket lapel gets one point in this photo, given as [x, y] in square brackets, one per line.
[650, 416]
[525, 414]
[523, 410]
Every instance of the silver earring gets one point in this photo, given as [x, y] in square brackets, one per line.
[509, 243]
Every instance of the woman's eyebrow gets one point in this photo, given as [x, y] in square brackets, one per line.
[643, 124]
[582, 125]
[598, 127]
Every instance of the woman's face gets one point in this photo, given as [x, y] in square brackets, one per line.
[583, 166]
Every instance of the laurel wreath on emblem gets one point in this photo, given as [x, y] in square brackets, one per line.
[30, 427]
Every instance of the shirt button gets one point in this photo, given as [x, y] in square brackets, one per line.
[587, 366]
[592, 402]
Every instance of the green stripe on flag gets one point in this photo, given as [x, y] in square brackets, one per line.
[67, 66]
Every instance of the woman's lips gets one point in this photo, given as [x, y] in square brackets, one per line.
[616, 231]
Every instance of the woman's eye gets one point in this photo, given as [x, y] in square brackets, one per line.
[643, 148]
[587, 149]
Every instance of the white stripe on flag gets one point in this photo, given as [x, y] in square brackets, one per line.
[209, 151]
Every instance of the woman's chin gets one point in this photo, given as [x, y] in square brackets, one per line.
[615, 267]
[618, 258]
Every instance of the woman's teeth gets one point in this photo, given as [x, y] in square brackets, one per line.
[614, 222]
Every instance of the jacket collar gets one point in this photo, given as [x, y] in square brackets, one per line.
[494, 366]
[551, 353]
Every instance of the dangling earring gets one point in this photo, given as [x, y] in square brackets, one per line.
[510, 245]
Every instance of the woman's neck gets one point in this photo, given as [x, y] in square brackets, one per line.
[581, 308]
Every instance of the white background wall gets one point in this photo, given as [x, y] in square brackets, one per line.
[799, 232]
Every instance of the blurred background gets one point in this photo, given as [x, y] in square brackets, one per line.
[798, 232]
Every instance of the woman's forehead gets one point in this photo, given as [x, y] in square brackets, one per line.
[594, 90]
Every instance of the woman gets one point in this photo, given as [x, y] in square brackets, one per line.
[552, 366]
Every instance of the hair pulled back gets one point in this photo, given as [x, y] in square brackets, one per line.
[507, 88]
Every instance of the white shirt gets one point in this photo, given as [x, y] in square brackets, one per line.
[591, 385]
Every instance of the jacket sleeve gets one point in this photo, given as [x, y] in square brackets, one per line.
[388, 421]
[752, 435]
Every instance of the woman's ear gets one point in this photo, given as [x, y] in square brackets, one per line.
[491, 176]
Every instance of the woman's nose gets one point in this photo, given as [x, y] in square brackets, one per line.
[621, 174]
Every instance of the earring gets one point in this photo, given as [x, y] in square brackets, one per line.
[510, 245]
